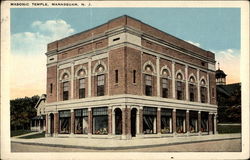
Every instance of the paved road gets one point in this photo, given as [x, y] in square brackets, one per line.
[216, 146]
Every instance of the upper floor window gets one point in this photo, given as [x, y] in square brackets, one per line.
[164, 88]
[203, 91]
[192, 88]
[191, 92]
[179, 90]
[134, 76]
[116, 76]
[82, 88]
[65, 90]
[51, 87]
[179, 87]
[100, 85]
[148, 85]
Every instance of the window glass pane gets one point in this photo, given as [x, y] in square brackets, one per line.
[65, 86]
[82, 83]
[100, 124]
[164, 83]
[149, 124]
[78, 112]
[179, 124]
[148, 80]
[100, 80]
[64, 125]
[165, 124]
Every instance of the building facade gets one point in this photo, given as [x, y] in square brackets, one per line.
[127, 79]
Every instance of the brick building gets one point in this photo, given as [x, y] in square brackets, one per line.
[126, 79]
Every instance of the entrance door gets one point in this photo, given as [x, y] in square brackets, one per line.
[51, 124]
[118, 121]
[133, 122]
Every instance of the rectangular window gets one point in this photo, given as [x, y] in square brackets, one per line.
[164, 88]
[81, 121]
[191, 92]
[64, 122]
[51, 87]
[149, 120]
[116, 76]
[82, 88]
[166, 115]
[65, 90]
[100, 120]
[193, 122]
[148, 85]
[100, 85]
[203, 95]
[179, 90]
[180, 121]
[204, 122]
[134, 76]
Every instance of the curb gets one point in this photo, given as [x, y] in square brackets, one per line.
[121, 148]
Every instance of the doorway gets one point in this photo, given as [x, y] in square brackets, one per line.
[118, 121]
[51, 124]
[133, 122]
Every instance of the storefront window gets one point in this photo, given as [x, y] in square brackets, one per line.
[149, 120]
[180, 121]
[100, 120]
[64, 120]
[166, 120]
[81, 121]
[204, 122]
[193, 121]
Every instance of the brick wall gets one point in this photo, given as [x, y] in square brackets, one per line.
[117, 58]
[51, 79]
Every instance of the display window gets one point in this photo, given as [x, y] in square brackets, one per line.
[193, 122]
[81, 121]
[204, 122]
[180, 121]
[149, 120]
[64, 122]
[100, 120]
[166, 121]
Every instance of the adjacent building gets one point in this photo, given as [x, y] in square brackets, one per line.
[127, 79]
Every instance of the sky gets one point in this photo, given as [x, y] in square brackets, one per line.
[213, 29]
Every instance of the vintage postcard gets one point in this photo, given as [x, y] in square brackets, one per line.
[124, 80]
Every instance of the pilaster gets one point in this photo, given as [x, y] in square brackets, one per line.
[173, 79]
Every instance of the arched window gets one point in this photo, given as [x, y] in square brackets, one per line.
[192, 89]
[179, 86]
[203, 91]
[99, 71]
[65, 88]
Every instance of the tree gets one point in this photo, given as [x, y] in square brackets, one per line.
[22, 110]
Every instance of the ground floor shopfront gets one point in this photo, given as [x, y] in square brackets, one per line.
[126, 121]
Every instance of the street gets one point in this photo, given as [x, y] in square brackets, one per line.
[233, 145]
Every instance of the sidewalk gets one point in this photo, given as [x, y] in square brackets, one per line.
[115, 144]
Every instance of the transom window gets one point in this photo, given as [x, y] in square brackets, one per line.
[179, 76]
